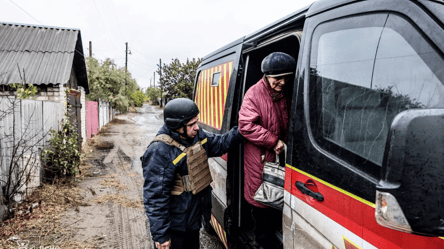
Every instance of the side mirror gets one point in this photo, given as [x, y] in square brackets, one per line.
[410, 194]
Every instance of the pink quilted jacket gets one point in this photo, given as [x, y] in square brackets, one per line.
[263, 120]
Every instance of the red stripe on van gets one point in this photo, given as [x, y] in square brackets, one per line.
[358, 217]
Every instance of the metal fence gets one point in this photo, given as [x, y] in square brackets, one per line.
[24, 129]
[106, 113]
[92, 118]
[25, 126]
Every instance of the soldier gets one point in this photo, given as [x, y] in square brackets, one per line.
[177, 191]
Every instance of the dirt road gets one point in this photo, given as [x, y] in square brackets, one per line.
[116, 217]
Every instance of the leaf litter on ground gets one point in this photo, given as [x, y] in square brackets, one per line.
[40, 225]
[119, 199]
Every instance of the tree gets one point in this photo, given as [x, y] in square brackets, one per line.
[152, 94]
[177, 80]
[110, 83]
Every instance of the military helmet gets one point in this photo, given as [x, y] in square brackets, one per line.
[278, 64]
[178, 112]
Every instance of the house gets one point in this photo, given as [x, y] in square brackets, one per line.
[50, 58]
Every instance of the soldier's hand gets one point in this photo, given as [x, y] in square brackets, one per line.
[279, 147]
[164, 245]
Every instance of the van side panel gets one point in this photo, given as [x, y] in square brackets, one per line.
[211, 96]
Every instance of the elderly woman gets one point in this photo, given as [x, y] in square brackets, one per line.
[263, 121]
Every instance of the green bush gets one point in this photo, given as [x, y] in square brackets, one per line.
[152, 94]
[121, 103]
[138, 98]
[62, 157]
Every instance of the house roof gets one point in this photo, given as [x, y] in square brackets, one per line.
[45, 54]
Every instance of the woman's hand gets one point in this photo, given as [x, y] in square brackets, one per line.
[165, 245]
[279, 147]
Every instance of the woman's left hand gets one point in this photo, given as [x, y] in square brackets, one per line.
[279, 147]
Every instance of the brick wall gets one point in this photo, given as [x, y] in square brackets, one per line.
[51, 93]
[63, 99]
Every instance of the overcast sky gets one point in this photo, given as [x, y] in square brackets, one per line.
[153, 29]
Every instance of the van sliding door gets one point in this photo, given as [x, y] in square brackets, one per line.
[215, 93]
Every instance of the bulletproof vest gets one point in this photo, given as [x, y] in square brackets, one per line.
[199, 175]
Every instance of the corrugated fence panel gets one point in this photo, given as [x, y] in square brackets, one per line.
[32, 125]
[92, 118]
[52, 117]
[29, 120]
[9, 124]
[106, 113]
[100, 115]
[33, 136]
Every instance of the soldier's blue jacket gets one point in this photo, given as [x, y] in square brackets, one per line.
[160, 164]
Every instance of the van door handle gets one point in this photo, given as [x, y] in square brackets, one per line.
[309, 192]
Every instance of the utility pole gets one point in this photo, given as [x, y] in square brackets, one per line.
[160, 86]
[90, 49]
[126, 63]
[126, 57]
[154, 81]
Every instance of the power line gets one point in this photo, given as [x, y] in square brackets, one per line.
[144, 68]
[25, 11]
[104, 24]
[108, 12]
[116, 18]
[142, 63]
[149, 57]
[145, 76]
[80, 52]
[104, 50]
[144, 71]
[109, 15]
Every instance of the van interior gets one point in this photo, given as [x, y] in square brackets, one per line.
[252, 58]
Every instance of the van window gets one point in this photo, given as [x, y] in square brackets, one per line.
[362, 77]
[408, 68]
[216, 78]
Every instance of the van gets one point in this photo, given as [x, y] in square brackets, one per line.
[365, 155]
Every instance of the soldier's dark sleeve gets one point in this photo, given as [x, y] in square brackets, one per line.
[220, 144]
[158, 172]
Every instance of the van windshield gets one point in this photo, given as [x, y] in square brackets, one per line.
[365, 76]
